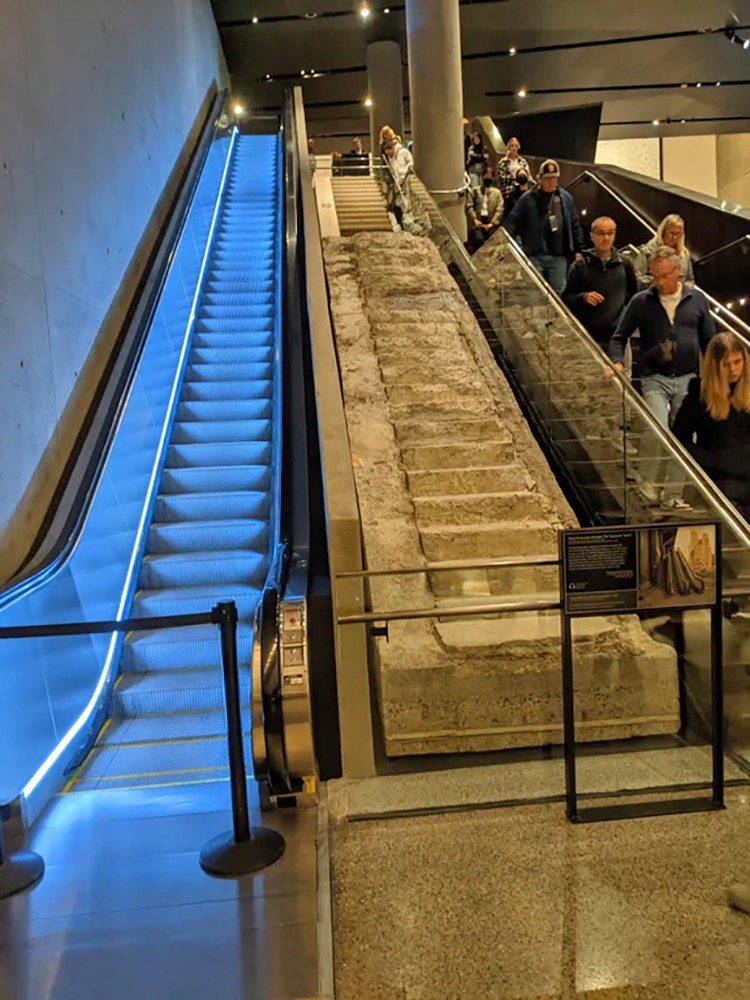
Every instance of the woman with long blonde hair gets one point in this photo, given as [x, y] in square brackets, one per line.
[714, 421]
[670, 233]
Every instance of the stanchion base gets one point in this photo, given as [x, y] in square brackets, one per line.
[225, 858]
[20, 871]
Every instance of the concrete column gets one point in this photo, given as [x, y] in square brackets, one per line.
[433, 30]
[733, 167]
[385, 86]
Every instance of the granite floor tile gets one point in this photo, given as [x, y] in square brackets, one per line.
[517, 904]
[511, 782]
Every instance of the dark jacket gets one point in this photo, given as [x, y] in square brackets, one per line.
[615, 279]
[666, 348]
[721, 447]
[514, 196]
[528, 221]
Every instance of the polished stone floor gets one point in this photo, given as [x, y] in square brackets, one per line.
[125, 912]
[515, 903]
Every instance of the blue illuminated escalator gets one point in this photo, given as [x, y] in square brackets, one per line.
[209, 539]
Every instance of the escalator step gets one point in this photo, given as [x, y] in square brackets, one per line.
[225, 566]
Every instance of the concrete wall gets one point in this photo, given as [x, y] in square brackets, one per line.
[98, 100]
[690, 162]
[642, 156]
[733, 167]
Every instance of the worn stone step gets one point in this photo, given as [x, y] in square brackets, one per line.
[445, 392]
[487, 479]
[473, 454]
[478, 507]
[523, 636]
[450, 431]
[466, 405]
[500, 540]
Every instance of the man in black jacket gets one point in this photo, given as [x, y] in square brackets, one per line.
[676, 326]
[601, 284]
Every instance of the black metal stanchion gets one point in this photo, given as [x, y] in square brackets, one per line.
[18, 871]
[243, 850]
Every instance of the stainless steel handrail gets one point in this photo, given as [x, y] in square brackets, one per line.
[449, 611]
[634, 401]
[452, 565]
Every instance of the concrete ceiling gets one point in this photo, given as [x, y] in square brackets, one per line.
[592, 50]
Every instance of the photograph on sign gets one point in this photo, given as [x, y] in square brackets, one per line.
[677, 566]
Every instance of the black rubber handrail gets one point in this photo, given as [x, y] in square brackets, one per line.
[64, 521]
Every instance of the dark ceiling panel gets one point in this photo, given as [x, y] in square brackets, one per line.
[591, 51]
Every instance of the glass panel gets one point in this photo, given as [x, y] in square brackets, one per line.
[46, 684]
[614, 451]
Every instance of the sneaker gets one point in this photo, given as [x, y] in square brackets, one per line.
[675, 503]
[650, 493]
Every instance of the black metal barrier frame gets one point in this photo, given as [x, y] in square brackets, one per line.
[377, 622]
[568, 611]
[241, 851]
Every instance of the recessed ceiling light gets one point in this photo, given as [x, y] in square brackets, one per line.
[699, 85]
[368, 102]
[255, 20]
[718, 83]
[522, 92]
[238, 109]
[364, 11]
[512, 51]
[656, 122]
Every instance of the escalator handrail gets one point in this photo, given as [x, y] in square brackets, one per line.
[634, 401]
[104, 425]
[727, 246]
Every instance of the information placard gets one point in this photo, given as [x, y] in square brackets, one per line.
[619, 570]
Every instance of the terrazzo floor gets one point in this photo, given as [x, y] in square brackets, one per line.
[515, 903]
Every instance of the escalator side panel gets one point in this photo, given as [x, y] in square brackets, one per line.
[49, 687]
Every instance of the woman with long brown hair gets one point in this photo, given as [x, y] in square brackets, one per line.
[714, 421]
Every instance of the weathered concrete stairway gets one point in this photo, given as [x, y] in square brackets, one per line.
[359, 205]
[447, 469]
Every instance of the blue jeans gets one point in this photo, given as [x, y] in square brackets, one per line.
[553, 269]
[664, 395]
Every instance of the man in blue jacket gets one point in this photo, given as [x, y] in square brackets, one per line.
[676, 326]
[546, 224]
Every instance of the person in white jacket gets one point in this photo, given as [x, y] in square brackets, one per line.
[401, 160]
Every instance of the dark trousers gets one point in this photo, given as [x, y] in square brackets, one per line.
[478, 237]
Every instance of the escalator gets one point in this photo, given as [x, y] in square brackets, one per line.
[199, 495]
[209, 538]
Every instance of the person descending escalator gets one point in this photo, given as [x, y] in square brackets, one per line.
[713, 422]
[518, 189]
[546, 223]
[484, 211]
[670, 233]
[601, 284]
[676, 327]
[509, 168]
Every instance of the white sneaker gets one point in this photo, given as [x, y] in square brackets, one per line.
[675, 503]
[650, 493]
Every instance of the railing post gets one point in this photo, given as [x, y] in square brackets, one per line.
[244, 849]
[18, 871]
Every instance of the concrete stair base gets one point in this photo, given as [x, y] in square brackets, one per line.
[447, 470]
